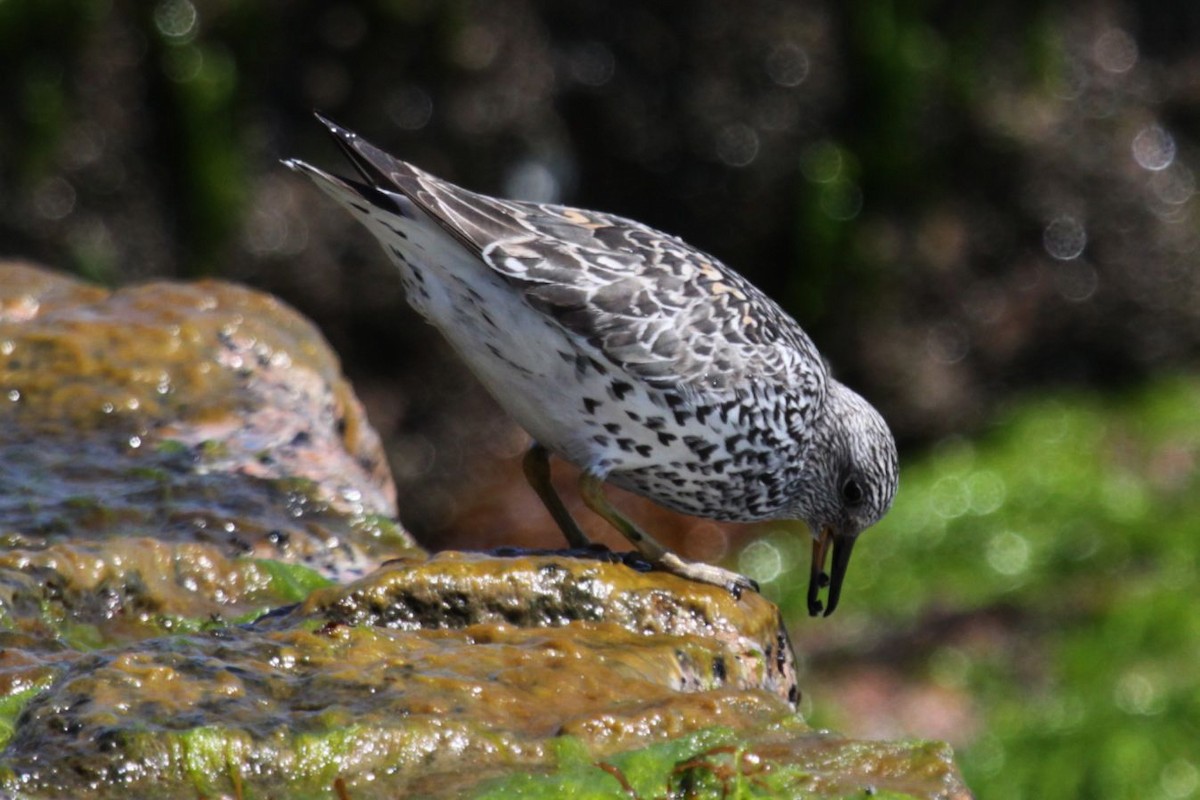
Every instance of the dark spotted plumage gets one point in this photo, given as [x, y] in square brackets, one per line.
[648, 363]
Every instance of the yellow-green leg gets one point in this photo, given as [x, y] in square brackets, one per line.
[537, 472]
[591, 487]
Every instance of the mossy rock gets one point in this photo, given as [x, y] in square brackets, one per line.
[204, 592]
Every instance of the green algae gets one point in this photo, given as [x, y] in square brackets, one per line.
[290, 583]
[385, 533]
[306, 704]
[646, 772]
[715, 762]
[93, 595]
[297, 707]
[82, 636]
[215, 760]
[13, 703]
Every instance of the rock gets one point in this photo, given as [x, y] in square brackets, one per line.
[460, 675]
[185, 412]
[176, 460]
[743, 642]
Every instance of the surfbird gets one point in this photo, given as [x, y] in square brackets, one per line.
[647, 363]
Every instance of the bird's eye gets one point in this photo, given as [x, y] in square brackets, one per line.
[852, 492]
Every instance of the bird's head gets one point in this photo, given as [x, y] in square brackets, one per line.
[850, 481]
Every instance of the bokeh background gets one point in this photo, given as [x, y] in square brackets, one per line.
[984, 213]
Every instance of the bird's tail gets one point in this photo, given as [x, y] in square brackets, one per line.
[353, 194]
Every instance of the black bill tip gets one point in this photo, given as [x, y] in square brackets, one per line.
[842, 545]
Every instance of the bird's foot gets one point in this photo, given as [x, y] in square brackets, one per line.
[730, 581]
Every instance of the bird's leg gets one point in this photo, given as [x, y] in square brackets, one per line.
[591, 487]
[537, 471]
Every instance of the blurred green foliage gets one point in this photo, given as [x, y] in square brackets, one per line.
[1072, 525]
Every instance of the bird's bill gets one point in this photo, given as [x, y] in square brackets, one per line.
[842, 545]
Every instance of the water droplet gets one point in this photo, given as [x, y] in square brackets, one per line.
[1153, 148]
[737, 144]
[990, 755]
[592, 64]
[822, 162]
[842, 201]
[1008, 553]
[1064, 238]
[54, 198]
[949, 497]
[533, 181]
[14, 395]
[175, 19]
[707, 541]
[787, 64]
[1064, 714]
[476, 47]
[1136, 693]
[409, 108]
[1115, 51]
[183, 64]
[1179, 779]
[1174, 186]
[135, 442]
[948, 343]
[987, 491]
[761, 560]
[1076, 281]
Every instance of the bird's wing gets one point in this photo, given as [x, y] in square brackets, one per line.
[666, 312]
[670, 314]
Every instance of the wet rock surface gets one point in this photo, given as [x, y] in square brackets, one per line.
[187, 412]
[204, 592]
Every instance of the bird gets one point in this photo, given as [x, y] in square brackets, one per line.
[647, 363]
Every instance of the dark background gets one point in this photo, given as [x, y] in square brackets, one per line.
[963, 203]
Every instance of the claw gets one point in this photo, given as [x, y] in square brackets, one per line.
[741, 583]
